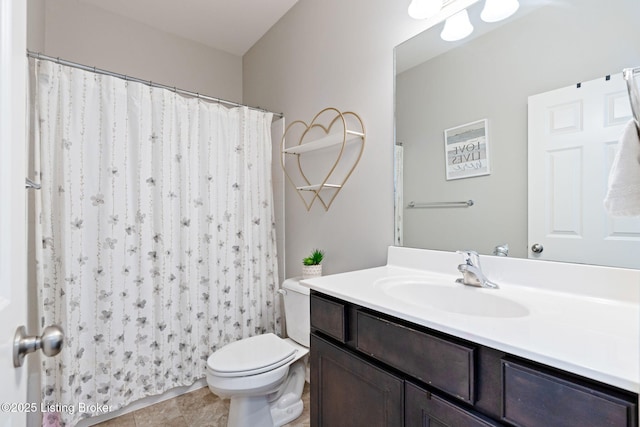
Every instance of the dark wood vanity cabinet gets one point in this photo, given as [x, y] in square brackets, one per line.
[370, 369]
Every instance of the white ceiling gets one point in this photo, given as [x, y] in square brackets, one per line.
[229, 25]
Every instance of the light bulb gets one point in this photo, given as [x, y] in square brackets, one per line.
[423, 9]
[497, 10]
[457, 27]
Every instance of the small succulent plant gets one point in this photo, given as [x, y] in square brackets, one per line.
[314, 259]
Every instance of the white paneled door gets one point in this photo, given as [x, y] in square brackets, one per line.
[13, 282]
[573, 136]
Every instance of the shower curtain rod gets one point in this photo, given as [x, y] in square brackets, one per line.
[146, 82]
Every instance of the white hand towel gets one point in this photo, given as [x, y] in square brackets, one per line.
[623, 194]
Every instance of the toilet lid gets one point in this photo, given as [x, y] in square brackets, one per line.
[251, 356]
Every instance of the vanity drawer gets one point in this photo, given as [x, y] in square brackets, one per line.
[328, 317]
[444, 364]
[423, 408]
[536, 397]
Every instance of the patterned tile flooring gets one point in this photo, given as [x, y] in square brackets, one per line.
[199, 408]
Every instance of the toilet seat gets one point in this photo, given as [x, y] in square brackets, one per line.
[251, 356]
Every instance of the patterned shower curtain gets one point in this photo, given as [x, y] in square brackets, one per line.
[155, 231]
[398, 184]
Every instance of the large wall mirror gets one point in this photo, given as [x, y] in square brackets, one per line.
[486, 80]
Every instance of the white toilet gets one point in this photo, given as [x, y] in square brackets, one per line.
[264, 375]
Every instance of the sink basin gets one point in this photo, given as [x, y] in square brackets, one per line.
[450, 297]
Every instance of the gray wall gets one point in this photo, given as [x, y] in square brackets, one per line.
[491, 77]
[336, 53]
[80, 32]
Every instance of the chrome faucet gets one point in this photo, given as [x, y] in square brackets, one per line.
[472, 275]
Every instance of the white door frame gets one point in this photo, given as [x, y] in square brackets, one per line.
[13, 131]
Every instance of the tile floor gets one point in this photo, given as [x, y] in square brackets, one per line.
[199, 408]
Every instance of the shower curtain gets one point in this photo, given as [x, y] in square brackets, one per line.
[155, 231]
[398, 182]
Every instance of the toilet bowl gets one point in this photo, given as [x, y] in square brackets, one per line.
[264, 375]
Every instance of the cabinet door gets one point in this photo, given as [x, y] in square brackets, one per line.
[424, 409]
[347, 391]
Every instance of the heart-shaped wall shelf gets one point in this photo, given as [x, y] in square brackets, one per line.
[337, 146]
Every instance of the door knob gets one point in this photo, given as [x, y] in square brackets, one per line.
[50, 342]
[537, 248]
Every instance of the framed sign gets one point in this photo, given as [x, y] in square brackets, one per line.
[467, 150]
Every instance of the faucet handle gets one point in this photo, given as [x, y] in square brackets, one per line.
[470, 257]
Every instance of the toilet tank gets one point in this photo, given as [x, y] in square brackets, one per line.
[296, 310]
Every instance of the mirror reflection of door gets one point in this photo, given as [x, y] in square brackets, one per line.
[490, 75]
[573, 136]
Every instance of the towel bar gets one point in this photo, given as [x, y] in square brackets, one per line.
[428, 205]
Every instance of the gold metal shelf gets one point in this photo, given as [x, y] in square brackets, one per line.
[326, 142]
[336, 140]
[317, 187]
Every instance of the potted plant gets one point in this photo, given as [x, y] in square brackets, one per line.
[312, 265]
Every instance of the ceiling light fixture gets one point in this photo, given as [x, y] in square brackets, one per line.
[457, 27]
[423, 9]
[497, 10]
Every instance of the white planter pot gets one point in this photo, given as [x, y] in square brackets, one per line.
[309, 271]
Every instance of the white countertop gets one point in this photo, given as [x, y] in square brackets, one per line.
[581, 319]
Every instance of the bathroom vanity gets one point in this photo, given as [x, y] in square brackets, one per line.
[388, 350]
